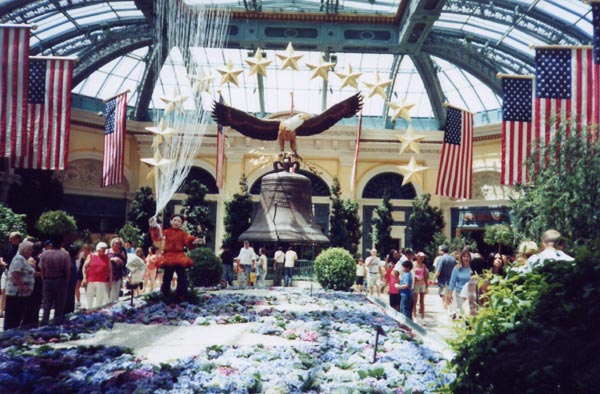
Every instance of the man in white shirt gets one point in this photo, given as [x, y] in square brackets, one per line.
[549, 239]
[247, 257]
[372, 263]
[279, 259]
[290, 260]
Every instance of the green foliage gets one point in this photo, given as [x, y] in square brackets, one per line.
[382, 225]
[196, 210]
[53, 224]
[344, 221]
[129, 232]
[39, 191]
[423, 223]
[538, 334]
[238, 213]
[337, 224]
[499, 235]
[353, 226]
[335, 269]
[9, 222]
[207, 269]
[141, 210]
[564, 195]
[454, 245]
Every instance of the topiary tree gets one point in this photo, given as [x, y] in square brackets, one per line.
[129, 232]
[141, 210]
[335, 269]
[382, 224]
[337, 224]
[423, 223]
[238, 213]
[196, 210]
[56, 225]
[207, 269]
[499, 235]
[344, 221]
[9, 222]
[353, 226]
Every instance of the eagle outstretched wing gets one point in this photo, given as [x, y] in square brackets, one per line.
[248, 125]
[344, 109]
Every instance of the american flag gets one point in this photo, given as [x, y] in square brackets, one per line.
[48, 114]
[14, 65]
[356, 151]
[220, 151]
[113, 164]
[455, 176]
[596, 46]
[564, 93]
[517, 128]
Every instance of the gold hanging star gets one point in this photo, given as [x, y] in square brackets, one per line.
[161, 133]
[401, 109]
[412, 170]
[289, 58]
[173, 102]
[349, 78]
[410, 141]
[229, 74]
[320, 70]
[155, 162]
[377, 87]
[201, 81]
[258, 64]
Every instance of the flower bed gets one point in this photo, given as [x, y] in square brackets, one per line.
[329, 336]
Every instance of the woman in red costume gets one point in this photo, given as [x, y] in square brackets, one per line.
[173, 258]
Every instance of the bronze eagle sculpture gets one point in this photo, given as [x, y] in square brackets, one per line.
[285, 130]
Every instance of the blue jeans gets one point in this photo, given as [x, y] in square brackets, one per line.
[289, 271]
[406, 305]
[228, 274]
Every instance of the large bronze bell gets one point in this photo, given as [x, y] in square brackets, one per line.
[285, 211]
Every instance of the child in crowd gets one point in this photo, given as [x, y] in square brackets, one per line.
[405, 287]
[360, 275]
[151, 268]
[393, 281]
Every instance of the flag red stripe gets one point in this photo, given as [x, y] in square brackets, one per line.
[14, 65]
[455, 176]
[113, 164]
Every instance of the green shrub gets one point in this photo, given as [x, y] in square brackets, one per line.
[335, 269]
[9, 222]
[207, 269]
[538, 334]
[56, 225]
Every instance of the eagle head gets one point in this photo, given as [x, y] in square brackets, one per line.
[294, 122]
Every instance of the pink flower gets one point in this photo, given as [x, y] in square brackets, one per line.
[226, 370]
[309, 336]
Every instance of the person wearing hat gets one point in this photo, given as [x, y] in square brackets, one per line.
[421, 284]
[97, 275]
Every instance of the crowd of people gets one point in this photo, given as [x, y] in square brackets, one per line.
[41, 277]
[44, 276]
[251, 268]
[458, 275]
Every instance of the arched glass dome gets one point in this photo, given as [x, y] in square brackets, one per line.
[432, 51]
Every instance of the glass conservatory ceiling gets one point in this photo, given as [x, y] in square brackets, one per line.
[463, 45]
